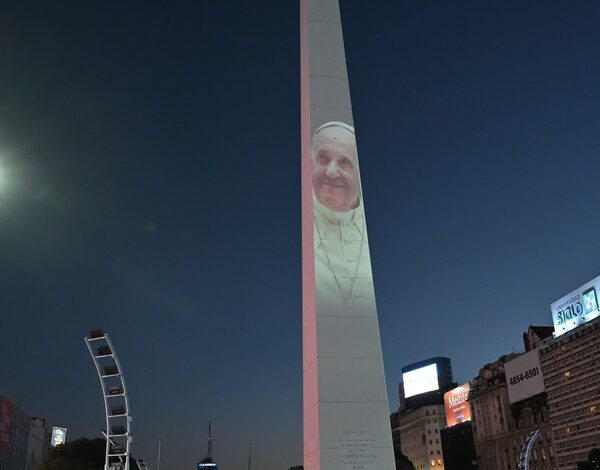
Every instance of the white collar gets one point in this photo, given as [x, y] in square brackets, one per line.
[335, 216]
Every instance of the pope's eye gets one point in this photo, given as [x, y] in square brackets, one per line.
[322, 159]
[346, 164]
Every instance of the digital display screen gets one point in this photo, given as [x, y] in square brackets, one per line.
[422, 380]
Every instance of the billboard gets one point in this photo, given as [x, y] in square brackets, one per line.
[7, 418]
[58, 436]
[346, 415]
[422, 380]
[576, 308]
[457, 406]
[524, 376]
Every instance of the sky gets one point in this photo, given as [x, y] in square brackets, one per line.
[150, 186]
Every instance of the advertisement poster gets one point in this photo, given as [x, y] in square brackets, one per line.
[524, 376]
[457, 406]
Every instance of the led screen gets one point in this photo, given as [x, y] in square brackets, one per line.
[420, 380]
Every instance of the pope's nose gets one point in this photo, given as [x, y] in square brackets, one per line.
[332, 171]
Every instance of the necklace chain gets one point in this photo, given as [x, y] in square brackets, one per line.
[335, 277]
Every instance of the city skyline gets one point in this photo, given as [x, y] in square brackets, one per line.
[150, 186]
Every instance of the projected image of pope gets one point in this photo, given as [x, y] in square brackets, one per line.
[342, 262]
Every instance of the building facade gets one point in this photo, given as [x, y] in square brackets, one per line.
[489, 414]
[402, 462]
[15, 435]
[420, 437]
[571, 367]
[458, 448]
[37, 443]
[500, 429]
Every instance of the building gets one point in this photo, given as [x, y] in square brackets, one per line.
[571, 368]
[207, 463]
[420, 436]
[535, 335]
[402, 462]
[500, 429]
[37, 444]
[527, 416]
[489, 413]
[417, 424]
[14, 435]
[457, 437]
[458, 448]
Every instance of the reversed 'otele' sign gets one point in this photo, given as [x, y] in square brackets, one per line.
[7, 418]
[524, 376]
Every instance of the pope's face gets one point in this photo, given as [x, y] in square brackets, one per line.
[335, 169]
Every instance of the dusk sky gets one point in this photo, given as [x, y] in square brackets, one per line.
[150, 186]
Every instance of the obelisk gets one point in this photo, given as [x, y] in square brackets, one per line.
[346, 415]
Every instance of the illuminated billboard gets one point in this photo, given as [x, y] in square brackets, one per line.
[576, 308]
[457, 406]
[7, 418]
[58, 436]
[524, 376]
[422, 380]
[346, 414]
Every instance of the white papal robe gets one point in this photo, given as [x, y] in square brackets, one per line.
[343, 274]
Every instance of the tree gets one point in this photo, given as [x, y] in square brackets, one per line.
[593, 461]
[80, 454]
[402, 461]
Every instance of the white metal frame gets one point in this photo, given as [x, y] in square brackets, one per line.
[527, 448]
[108, 382]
